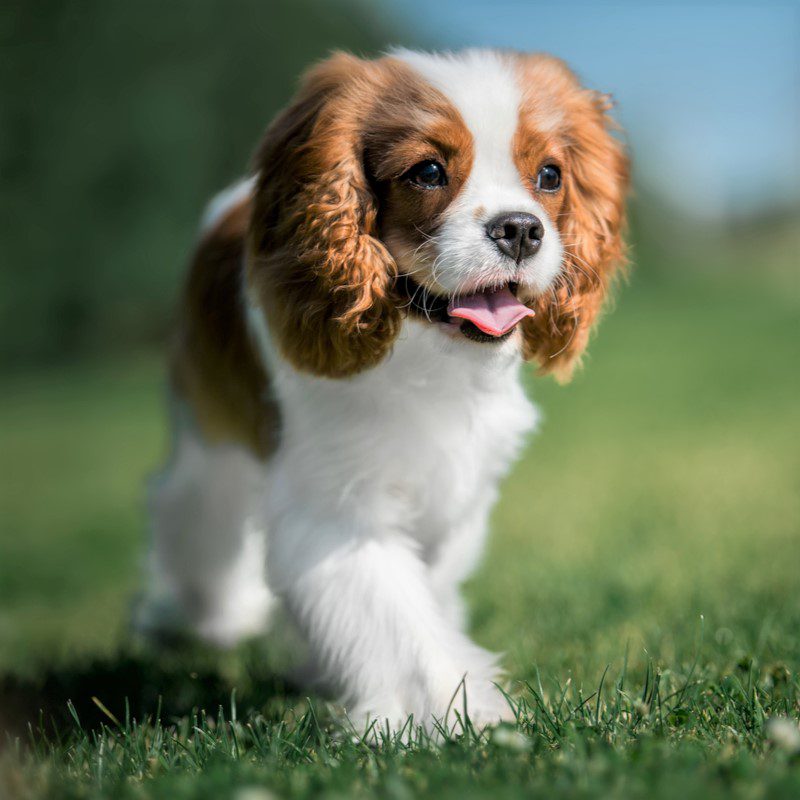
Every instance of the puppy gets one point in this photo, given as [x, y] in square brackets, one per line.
[345, 377]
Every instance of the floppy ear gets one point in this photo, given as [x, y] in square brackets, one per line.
[592, 233]
[314, 263]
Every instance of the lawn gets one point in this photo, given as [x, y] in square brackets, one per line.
[643, 580]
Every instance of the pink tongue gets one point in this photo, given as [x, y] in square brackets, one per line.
[494, 312]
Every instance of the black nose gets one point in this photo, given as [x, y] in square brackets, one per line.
[517, 234]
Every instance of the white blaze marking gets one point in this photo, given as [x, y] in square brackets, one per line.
[484, 87]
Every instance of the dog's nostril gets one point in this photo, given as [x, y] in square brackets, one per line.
[497, 231]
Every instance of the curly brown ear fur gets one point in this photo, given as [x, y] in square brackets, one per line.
[592, 231]
[315, 265]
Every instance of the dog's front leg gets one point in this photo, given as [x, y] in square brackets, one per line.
[374, 625]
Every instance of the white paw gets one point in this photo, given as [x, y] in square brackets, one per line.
[236, 618]
[224, 624]
[480, 702]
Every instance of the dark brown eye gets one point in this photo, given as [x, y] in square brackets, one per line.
[428, 175]
[549, 179]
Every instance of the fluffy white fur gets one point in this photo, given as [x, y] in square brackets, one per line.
[482, 85]
[206, 564]
[374, 508]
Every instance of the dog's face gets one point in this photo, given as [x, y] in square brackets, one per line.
[476, 208]
[481, 192]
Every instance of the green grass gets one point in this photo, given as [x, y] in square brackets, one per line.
[643, 579]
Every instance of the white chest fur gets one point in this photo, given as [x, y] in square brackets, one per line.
[364, 523]
[428, 430]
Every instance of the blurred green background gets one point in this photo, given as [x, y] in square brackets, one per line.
[664, 483]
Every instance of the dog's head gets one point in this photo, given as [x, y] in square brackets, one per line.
[481, 192]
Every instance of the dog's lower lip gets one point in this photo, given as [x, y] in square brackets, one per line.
[433, 307]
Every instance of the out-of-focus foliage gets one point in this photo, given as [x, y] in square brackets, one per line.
[650, 530]
[118, 120]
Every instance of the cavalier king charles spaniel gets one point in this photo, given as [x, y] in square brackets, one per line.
[346, 374]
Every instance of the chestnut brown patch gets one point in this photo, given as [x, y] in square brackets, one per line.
[562, 123]
[315, 264]
[215, 367]
[414, 124]
[332, 210]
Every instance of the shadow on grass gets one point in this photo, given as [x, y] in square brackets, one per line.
[140, 683]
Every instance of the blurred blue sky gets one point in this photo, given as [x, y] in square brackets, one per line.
[709, 92]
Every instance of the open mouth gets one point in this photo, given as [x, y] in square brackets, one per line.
[489, 315]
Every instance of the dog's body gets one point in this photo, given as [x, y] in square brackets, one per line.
[355, 439]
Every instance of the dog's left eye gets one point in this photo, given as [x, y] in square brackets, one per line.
[428, 175]
[549, 178]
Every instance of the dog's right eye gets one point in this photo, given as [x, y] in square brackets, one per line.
[428, 175]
